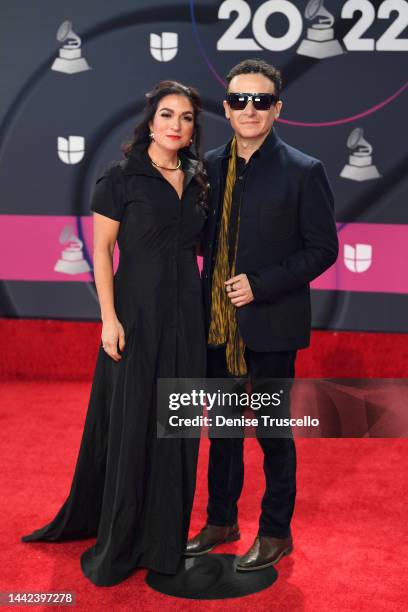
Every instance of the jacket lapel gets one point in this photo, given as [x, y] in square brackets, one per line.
[214, 167]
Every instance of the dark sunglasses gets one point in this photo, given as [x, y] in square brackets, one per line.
[261, 101]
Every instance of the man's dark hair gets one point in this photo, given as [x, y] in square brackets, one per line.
[258, 66]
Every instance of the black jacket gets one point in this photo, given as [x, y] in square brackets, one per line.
[287, 237]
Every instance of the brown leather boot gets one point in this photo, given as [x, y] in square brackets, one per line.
[265, 551]
[209, 537]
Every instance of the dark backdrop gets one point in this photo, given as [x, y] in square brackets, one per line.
[358, 81]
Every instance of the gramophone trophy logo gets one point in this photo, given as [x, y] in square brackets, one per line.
[360, 166]
[70, 59]
[72, 259]
[320, 41]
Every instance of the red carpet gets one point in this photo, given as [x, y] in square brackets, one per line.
[64, 350]
[351, 514]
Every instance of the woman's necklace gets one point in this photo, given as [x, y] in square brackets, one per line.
[164, 167]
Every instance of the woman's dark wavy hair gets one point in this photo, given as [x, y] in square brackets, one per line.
[141, 133]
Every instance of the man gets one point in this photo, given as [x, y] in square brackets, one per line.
[271, 230]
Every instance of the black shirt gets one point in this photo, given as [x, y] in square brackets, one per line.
[238, 190]
[237, 193]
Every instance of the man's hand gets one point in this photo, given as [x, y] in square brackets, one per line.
[239, 290]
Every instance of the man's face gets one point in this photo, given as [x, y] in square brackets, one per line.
[251, 123]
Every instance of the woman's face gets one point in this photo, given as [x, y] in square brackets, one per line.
[173, 122]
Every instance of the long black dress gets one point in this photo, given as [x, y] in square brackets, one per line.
[130, 489]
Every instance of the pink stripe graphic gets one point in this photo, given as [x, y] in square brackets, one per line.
[30, 250]
[385, 268]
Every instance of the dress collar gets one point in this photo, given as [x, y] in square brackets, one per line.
[138, 162]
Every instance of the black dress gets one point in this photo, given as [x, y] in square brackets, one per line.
[130, 489]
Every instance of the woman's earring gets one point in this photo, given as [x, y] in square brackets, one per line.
[151, 136]
[191, 141]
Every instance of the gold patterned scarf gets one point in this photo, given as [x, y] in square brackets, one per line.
[223, 326]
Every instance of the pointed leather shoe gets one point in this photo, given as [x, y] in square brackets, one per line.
[265, 551]
[209, 537]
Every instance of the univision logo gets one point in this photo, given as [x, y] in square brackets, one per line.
[164, 46]
[71, 150]
[358, 258]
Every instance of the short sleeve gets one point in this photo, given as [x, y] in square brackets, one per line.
[108, 194]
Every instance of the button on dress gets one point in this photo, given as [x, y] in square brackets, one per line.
[131, 490]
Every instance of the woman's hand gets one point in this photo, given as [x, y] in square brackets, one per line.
[112, 333]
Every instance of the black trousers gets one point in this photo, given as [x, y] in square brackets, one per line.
[226, 464]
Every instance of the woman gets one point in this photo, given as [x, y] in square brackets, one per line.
[130, 489]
